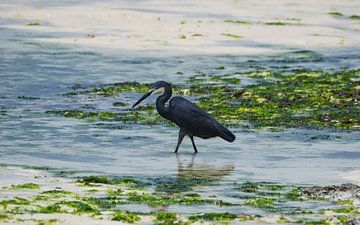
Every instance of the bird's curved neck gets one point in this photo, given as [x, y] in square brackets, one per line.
[161, 100]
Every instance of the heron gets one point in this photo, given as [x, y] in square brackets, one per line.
[192, 120]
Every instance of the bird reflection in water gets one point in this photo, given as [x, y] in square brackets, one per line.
[202, 171]
[190, 175]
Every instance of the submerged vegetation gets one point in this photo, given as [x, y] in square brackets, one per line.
[303, 99]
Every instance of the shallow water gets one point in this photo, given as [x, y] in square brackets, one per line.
[29, 136]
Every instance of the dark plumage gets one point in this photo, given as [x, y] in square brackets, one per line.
[191, 120]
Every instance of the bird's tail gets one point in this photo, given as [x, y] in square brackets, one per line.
[226, 134]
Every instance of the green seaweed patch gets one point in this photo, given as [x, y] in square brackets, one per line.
[355, 17]
[119, 104]
[125, 216]
[180, 184]
[25, 186]
[219, 217]
[28, 97]
[129, 117]
[15, 201]
[72, 206]
[335, 14]
[256, 186]
[52, 194]
[164, 199]
[348, 210]
[169, 219]
[249, 187]
[294, 195]
[114, 89]
[232, 35]
[345, 202]
[56, 192]
[310, 100]
[125, 181]
[239, 22]
[102, 203]
[4, 217]
[277, 23]
[261, 202]
[303, 99]
[33, 24]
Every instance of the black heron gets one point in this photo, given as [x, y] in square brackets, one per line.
[191, 120]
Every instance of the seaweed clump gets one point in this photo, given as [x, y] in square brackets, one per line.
[304, 99]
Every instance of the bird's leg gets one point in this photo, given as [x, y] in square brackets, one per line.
[180, 138]
[193, 143]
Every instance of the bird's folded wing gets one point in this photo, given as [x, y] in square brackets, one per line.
[187, 115]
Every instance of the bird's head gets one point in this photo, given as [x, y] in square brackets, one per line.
[155, 88]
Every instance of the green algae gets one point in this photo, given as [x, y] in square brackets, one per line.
[231, 35]
[345, 202]
[335, 13]
[169, 219]
[355, 17]
[239, 22]
[261, 202]
[219, 217]
[25, 186]
[165, 199]
[4, 217]
[28, 97]
[112, 199]
[124, 181]
[256, 186]
[275, 23]
[71, 206]
[303, 99]
[125, 216]
[102, 203]
[119, 104]
[33, 24]
[52, 194]
[294, 195]
[15, 201]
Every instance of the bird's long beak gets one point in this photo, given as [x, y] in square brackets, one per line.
[143, 97]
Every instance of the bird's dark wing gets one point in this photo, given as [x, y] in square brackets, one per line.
[196, 121]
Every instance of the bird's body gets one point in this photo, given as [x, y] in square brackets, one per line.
[192, 120]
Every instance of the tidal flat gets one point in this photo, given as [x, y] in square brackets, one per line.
[283, 76]
[50, 199]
